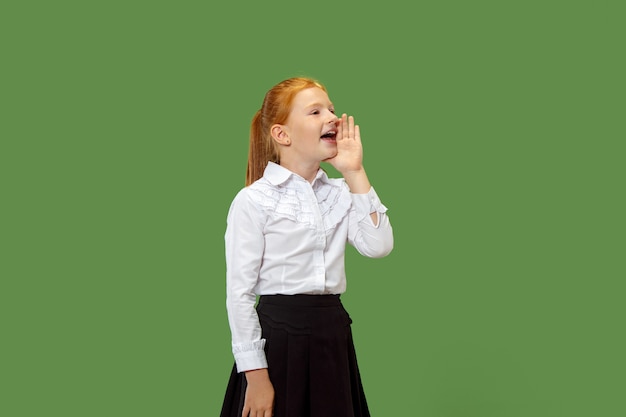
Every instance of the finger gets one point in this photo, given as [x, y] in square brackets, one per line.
[246, 411]
[351, 127]
[344, 126]
[357, 133]
[340, 128]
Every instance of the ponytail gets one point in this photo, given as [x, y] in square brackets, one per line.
[262, 149]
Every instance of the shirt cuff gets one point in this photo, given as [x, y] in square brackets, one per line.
[249, 356]
[367, 203]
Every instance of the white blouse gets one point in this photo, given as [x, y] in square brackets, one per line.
[285, 235]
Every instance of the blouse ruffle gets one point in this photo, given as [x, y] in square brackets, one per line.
[334, 202]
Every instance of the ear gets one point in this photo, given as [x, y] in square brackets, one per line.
[280, 135]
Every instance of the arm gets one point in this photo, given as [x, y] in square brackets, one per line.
[375, 238]
[359, 184]
[349, 158]
[244, 252]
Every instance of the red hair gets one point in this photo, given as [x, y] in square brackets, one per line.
[275, 109]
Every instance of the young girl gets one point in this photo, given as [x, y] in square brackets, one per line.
[285, 242]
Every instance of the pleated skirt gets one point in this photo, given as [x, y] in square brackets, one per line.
[311, 359]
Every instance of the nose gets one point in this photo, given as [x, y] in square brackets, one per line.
[333, 120]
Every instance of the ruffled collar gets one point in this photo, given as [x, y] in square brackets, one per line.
[278, 174]
[279, 196]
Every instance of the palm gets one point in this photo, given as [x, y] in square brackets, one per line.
[349, 149]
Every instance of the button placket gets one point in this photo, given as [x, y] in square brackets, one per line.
[320, 238]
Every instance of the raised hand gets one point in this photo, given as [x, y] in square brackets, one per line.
[349, 156]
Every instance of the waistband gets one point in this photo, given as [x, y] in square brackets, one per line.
[301, 300]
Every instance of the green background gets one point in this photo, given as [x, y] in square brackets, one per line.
[492, 130]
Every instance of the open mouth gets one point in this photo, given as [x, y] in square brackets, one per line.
[330, 135]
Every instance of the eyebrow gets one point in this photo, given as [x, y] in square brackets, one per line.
[317, 105]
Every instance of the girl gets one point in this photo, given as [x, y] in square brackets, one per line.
[285, 241]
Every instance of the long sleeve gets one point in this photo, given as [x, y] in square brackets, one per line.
[244, 253]
[369, 239]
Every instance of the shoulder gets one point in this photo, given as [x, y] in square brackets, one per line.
[259, 195]
[248, 203]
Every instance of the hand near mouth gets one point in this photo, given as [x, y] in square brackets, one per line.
[349, 157]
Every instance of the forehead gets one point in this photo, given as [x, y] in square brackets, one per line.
[310, 97]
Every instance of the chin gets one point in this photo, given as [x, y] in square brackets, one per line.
[331, 155]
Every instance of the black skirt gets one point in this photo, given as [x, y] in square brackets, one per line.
[311, 359]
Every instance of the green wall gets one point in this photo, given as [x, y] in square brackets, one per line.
[493, 131]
